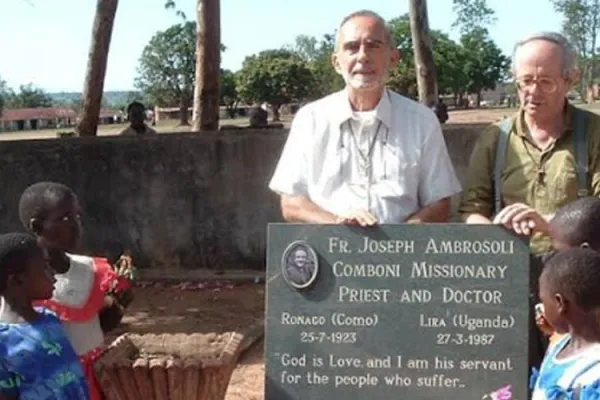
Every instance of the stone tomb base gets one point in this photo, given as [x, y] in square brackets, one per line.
[169, 366]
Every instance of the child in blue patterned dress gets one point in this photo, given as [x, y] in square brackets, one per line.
[570, 292]
[37, 361]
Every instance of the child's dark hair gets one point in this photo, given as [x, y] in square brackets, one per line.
[15, 250]
[575, 273]
[38, 199]
[135, 104]
[579, 222]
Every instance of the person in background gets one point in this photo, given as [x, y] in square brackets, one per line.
[136, 115]
[441, 110]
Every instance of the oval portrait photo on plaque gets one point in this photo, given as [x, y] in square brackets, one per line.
[299, 265]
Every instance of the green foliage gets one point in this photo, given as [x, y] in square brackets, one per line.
[29, 96]
[484, 63]
[167, 67]
[229, 96]
[449, 59]
[276, 77]
[171, 5]
[317, 55]
[472, 15]
[581, 24]
[5, 94]
[447, 55]
[472, 65]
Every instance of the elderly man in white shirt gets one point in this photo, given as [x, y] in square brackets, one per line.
[365, 155]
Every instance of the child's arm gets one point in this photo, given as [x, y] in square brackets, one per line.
[111, 315]
[124, 298]
[116, 284]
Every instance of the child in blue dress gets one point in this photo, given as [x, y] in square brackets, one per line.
[570, 292]
[575, 225]
[37, 361]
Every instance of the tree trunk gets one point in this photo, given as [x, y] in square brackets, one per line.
[184, 106]
[478, 99]
[208, 63]
[96, 68]
[424, 63]
[276, 116]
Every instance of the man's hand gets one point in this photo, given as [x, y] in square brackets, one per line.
[357, 217]
[521, 218]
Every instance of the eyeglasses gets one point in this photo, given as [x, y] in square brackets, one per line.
[546, 85]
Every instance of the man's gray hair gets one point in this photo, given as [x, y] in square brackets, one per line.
[365, 13]
[569, 61]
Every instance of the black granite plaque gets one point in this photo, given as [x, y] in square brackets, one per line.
[396, 312]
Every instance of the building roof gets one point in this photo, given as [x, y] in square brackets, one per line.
[18, 114]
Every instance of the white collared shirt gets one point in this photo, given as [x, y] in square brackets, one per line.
[410, 165]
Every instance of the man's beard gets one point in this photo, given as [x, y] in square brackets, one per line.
[359, 83]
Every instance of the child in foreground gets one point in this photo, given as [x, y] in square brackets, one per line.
[576, 225]
[569, 291]
[37, 361]
[83, 297]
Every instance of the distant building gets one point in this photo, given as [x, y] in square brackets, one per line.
[25, 119]
[496, 97]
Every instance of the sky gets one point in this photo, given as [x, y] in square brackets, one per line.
[46, 42]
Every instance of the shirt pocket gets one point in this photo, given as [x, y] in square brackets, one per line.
[565, 185]
[397, 174]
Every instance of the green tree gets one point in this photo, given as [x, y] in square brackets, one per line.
[75, 104]
[172, 5]
[167, 68]
[447, 54]
[30, 96]
[403, 79]
[484, 63]
[276, 77]
[5, 95]
[581, 25]
[317, 55]
[229, 95]
[449, 59]
[472, 15]
[306, 47]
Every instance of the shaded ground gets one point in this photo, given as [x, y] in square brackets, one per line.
[168, 126]
[162, 308]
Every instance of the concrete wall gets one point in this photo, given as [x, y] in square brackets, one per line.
[178, 201]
